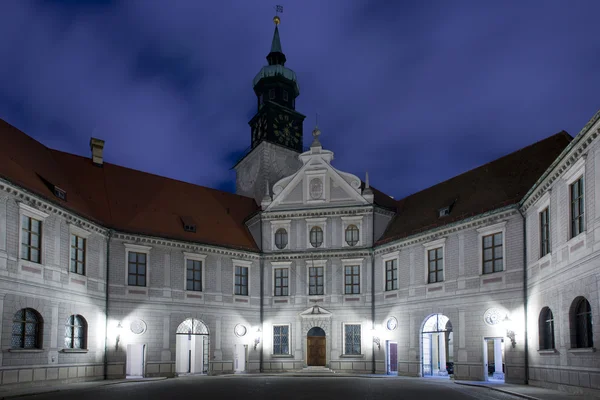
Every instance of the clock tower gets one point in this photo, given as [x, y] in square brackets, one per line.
[276, 128]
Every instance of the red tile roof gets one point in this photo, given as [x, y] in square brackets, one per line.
[497, 184]
[125, 199]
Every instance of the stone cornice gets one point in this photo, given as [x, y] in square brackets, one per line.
[291, 214]
[333, 253]
[186, 246]
[37, 202]
[564, 161]
[428, 236]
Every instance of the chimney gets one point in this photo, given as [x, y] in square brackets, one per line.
[97, 146]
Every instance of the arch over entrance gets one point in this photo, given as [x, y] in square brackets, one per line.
[192, 344]
[316, 341]
[437, 349]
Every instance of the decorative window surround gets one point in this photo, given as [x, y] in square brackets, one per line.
[285, 224]
[315, 263]
[576, 171]
[395, 255]
[84, 234]
[435, 244]
[353, 261]
[289, 337]
[309, 175]
[281, 265]
[321, 223]
[485, 231]
[344, 354]
[358, 221]
[246, 264]
[34, 213]
[195, 257]
[137, 248]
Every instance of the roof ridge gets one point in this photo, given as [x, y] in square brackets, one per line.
[561, 133]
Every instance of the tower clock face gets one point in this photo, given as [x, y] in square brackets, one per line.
[286, 130]
[259, 129]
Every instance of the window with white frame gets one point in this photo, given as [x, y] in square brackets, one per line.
[544, 232]
[316, 232]
[281, 284]
[280, 234]
[577, 207]
[391, 274]
[241, 277]
[281, 339]
[352, 231]
[31, 220]
[352, 339]
[137, 264]
[492, 251]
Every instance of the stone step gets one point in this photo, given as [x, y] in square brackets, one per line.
[318, 370]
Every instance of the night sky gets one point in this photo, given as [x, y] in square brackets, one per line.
[414, 92]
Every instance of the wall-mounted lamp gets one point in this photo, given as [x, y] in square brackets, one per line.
[510, 333]
[256, 338]
[118, 339]
[376, 338]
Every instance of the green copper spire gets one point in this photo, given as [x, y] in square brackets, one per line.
[276, 56]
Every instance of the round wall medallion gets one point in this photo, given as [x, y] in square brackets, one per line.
[138, 326]
[493, 316]
[240, 330]
[316, 188]
[392, 323]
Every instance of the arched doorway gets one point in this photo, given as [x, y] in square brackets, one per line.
[437, 349]
[192, 341]
[316, 347]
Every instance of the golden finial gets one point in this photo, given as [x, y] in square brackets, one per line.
[276, 19]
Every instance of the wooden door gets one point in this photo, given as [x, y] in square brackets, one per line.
[316, 351]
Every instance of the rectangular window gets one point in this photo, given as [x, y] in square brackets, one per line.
[77, 255]
[435, 259]
[281, 281]
[281, 339]
[136, 274]
[315, 280]
[271, 94]
[241, 281]
[285, 95]
[194, 275]
[577, 208]
[544, 232]
[352, 279]
[492, 253]
[31, 239]
[352, 339]
[391, 274]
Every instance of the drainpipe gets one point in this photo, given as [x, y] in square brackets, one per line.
[526, 341]
[110, 232]
[262, 278]
[374, 367]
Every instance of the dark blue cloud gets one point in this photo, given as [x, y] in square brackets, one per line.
[413, 92]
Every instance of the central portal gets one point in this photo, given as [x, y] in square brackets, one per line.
[316, 345]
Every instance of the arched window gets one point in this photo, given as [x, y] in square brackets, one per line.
[581, 324]
[316, 236]
[281, 238]
[76, 332]
[546, 329]
[352, 235]
[27, 329]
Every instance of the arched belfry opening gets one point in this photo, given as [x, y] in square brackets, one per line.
[316, 347]
[192, 347]
[437, 348]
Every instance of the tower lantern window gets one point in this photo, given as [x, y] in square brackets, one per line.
[285, 95]
[271, 94]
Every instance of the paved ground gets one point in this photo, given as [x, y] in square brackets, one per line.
[265, 387]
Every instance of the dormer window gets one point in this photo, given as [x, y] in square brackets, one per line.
[60, 193]
[444, 212]
[189, 225]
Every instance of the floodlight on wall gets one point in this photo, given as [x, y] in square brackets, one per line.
[256, 338]
[118, 339]
[510, 332]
